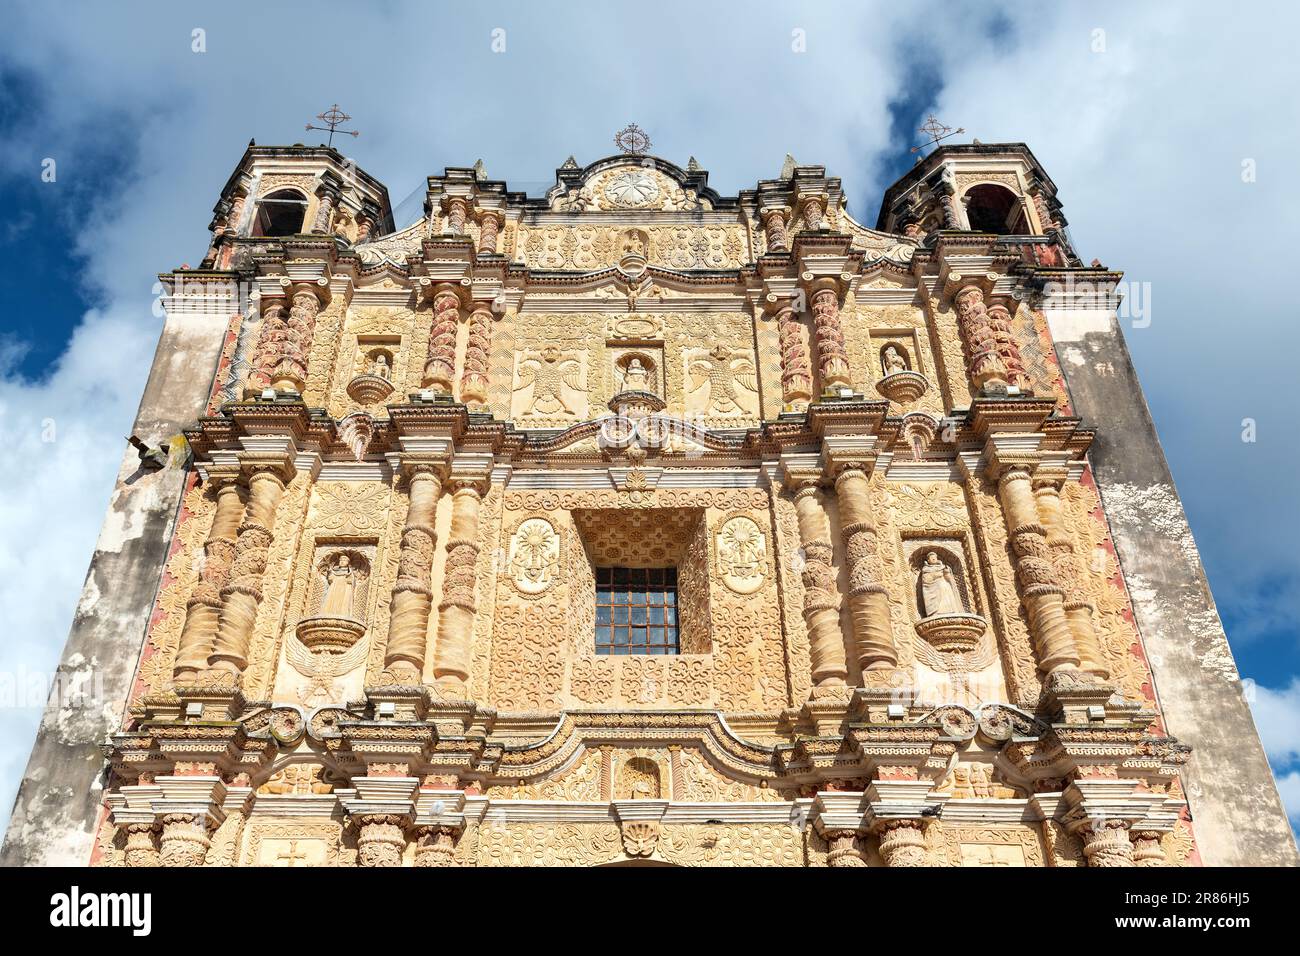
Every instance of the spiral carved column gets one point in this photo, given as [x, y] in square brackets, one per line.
[243, 591]
[290, 369]
[1106, 843]
[440, 369]
[778, 240]
[813, 211]
[1039, 589]
[1005, 343]
[184, 840]
[270, 342]
[381, 839]
[902, 843]
[203, 611]
[983, 358]
[324, 209]
[1078, 610]
[796, 373]
[832, 359]
[489, 228]
[868, 600]
[457, 213]
[412, 594]
[820, 596]
[459, 584]
[474, 378]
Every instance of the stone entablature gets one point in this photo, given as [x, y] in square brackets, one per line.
[903, 634]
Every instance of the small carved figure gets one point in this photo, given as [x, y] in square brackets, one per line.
[549, 374]
[636, 378]
[892, 361]
[338, 594]
[380, 367]
[939, 594]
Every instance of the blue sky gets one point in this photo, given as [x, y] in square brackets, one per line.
[1144, 132]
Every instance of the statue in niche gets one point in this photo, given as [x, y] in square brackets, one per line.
[892, 361]
[939, 593]
[380, 367]
[341, 586]
[636, 377]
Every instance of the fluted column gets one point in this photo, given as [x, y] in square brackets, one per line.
[832, 360]
[184, 840]
[820, 597]
[489, 227]
[435, 846]
[873, 635]
[243, 591]
[902, 843]
[413, 594]
[474, 378]
[203, 610]
[1106, 843]
[796, 372]
[1078, 610]
[381, 839]
[983, 358]
[440, 369]
[1039, 589]
[459, 584]
[778, 240]
[1147, 850]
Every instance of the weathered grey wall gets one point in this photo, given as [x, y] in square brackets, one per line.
[59, 798]
[1237, 815]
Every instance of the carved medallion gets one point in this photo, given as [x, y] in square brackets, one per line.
[534, 556]
[632, 188]
[742, 554]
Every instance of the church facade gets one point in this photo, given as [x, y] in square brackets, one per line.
[640, 524]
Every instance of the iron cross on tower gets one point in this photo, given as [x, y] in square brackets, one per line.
[333, 118]
[936, 132]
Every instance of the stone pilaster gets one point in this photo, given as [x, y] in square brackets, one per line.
[1040, 590]
[832, 360]
[988, 372]
[1078, 610]
[243, 591]
[868, 600]
[440, 369]
[478, 348]
[413, 594]
[459, 586]
[820, 595]
[203, 610]
[1004, 341]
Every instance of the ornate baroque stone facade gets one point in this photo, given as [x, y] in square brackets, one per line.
[904, 637]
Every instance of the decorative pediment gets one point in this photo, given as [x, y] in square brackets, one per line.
[631, 184]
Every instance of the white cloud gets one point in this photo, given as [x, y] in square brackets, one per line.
[1277, 716]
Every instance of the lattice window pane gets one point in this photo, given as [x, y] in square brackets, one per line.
[636, 611]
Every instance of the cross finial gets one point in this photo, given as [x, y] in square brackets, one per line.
[936, 132]
[633, 140]
[333, 118]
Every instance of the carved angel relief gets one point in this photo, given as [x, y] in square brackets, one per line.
[742, 554]
[534, 556]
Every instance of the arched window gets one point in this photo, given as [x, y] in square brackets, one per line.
[991, 208]
[280, 214]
